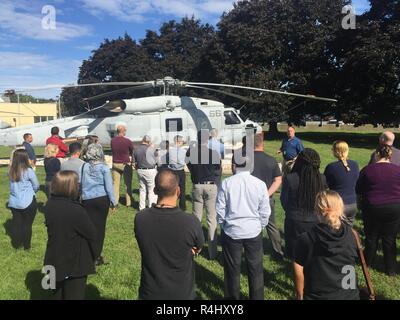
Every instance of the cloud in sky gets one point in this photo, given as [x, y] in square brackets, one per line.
[139, 10]
[25, 69]
[22, 23]
[88, 47]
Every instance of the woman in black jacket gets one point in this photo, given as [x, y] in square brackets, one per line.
[71, 238]
[325, 257]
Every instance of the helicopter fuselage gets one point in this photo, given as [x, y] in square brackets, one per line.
[161, 117]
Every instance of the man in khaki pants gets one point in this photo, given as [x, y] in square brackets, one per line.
[122, 150]
[205, 168]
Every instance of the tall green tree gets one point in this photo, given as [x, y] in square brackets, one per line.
[369, 83]
[175, 51]
[121, 59]
[178, 47]
[281, 45]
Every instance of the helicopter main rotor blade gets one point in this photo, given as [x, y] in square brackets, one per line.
[111, 93]
[225, 93]
[96, 84]
[90, 111]
[307, 96]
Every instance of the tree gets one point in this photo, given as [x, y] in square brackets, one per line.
[174, 51]
[370, 67]
[26, 98]
[178, 47]
[121, 59]
[281, 45]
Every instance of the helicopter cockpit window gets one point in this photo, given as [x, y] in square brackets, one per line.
[231, 118]
[173, 125]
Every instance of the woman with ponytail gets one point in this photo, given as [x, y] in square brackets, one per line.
[379, 189]
[342, 176]
[325, 257]
[299, 189]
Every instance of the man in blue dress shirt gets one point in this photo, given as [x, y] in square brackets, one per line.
[29, 149]
[290, 149]
[243, 211]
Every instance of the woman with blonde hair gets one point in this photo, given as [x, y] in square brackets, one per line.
[51, 165]
[22, 201]
[71, 238]
[341, 176]
[325, 257]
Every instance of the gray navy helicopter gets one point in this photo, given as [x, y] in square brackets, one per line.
[161, 117]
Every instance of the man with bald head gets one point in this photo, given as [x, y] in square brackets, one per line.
[122, 150]
[387, 138]
[168, 240]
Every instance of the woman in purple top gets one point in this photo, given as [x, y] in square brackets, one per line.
[379, 188]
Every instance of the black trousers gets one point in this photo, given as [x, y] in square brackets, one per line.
[182, 186]
[273, 232]
[350, 211]
[70, 289]
[47, 188]
[97, 210]
[381, 222]
[232, 254]
[22, 225]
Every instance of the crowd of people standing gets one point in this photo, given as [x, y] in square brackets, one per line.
[320, 209]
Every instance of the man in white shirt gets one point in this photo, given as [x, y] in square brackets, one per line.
[215, 144]
[177, 162]
[243, 211]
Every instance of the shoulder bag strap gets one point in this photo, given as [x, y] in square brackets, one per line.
[81, 183]
[364, 266]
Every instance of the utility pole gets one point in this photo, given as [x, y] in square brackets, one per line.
[59, 106]
[19, 110]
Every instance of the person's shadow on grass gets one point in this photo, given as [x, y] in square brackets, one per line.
[9, 228]
[33, 282]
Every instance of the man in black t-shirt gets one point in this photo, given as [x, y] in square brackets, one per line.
[266, 168]
[205, 168]
[168, 239]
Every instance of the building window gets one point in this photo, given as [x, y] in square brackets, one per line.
[173, 125]
[37, 119]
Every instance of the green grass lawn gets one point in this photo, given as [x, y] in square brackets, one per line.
[20, 276]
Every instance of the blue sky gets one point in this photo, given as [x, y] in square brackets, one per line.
[32, 56]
